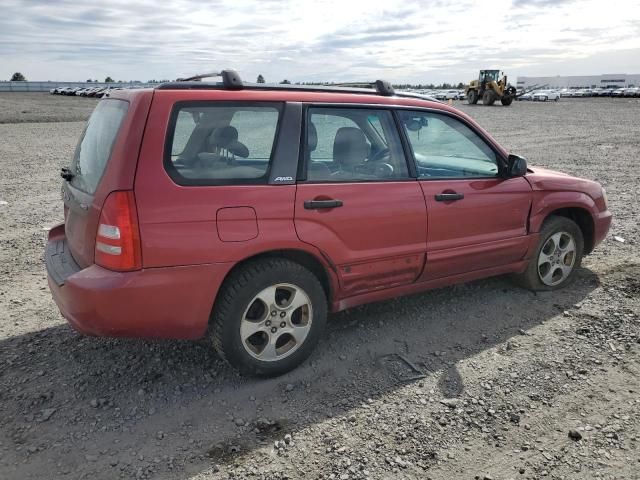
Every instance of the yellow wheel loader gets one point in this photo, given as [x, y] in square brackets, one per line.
[491, 85]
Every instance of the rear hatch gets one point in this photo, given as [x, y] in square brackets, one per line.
[104, 161]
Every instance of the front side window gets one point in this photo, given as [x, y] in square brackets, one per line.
[216, 143]
[352, 144]
[445, 147]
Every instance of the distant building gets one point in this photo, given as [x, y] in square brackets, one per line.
[614, 80]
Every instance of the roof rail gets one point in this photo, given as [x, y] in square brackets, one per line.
[230, 78]
[382, 86]
[232, 81]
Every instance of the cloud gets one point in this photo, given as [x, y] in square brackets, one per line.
[540, 3]
[402, 40]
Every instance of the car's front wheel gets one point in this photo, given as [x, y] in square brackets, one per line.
[268, 317]
[557, 257]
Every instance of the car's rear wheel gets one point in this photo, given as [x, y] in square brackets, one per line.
[268, 317]
[557, 257]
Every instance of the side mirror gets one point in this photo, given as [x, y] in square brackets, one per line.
[516, 166]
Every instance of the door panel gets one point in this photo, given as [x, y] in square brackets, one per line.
[476, 218]
[376, 239]
[485, 228]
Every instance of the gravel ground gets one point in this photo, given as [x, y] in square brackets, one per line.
[478, 381]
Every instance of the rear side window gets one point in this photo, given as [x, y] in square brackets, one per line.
[94, 149]
[213, 143]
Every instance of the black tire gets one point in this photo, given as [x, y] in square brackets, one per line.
[488, 97]
[506, 101]
[237, 296]
[472, 97]
[531, 278]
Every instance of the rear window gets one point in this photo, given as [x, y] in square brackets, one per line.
[221, 143]
[94, 149]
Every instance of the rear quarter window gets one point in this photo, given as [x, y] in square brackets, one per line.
[213, 143]
[94, 148]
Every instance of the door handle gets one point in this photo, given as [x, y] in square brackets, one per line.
[315, 204]
[449, 197]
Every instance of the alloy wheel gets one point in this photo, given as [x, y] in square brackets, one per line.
[557, 258]
[276, 322]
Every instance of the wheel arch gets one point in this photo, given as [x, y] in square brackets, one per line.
[583, 219]
[319, 267]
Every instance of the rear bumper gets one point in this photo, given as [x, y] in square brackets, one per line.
[170, 302]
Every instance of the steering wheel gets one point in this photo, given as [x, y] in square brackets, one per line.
[379, 155]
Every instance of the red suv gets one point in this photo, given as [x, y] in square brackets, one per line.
[247, 212]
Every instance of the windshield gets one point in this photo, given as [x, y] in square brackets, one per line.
[94, 148]
[489, 75]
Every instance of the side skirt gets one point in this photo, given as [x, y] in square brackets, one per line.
[354, 301]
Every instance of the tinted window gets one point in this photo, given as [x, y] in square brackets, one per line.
[349, 144]
[94, 149]
[222, 143]
[445, 147]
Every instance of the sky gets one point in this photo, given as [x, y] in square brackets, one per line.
[428, 41]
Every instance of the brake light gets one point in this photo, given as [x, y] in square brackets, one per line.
[118, 238]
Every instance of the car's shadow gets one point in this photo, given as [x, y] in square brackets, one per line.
[119, 404]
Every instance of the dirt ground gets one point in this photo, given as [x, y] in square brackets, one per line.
[477, 381]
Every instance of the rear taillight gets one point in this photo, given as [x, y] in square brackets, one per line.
[118, 238]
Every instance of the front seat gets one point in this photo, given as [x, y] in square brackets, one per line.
[350, 149]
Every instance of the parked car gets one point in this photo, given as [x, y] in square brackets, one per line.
[618, 92]
[102, 92]
[631, 92]
[526, 96]
[545, 95]
[245, 213]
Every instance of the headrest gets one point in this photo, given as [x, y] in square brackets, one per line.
[238, 149]
[350, 146]
[224, 136]
[312, 137]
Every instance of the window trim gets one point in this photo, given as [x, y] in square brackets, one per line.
[172, 171]
[501, 162]
[302, 163]
[502, 159]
